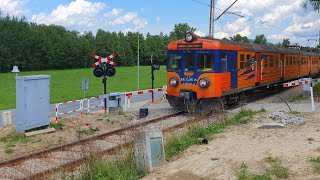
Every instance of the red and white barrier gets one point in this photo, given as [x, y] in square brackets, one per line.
[87, 102]
[299, 82]
[81, 107]
[128, 95]
[303, 81]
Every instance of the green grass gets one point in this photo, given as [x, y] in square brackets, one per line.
[14, 138]
[177, 144]
[298, 98]
[276, 169]
[57, 125]
[87, 132]
[316, 89]
[316, 161]
[66, 84]
[294, 112]
[121, 168]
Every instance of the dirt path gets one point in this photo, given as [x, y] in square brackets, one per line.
[224, 155]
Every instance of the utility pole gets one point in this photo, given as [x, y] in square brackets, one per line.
[211, 23]
[138, 88]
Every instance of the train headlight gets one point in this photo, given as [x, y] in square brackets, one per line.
[189, 37]
[204, 82]
[173, 81]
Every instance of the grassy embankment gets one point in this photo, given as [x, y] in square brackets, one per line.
[66, 84]
[124, 166]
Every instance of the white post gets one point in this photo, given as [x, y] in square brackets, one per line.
[312, 100]
[125, 103]
[88, 105]
[129, 97]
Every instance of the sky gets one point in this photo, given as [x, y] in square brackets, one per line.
[275, 19]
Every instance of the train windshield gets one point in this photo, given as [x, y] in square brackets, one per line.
[175, 62]
[189, 62]
[205, 62]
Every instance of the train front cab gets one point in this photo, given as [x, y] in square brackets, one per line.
[200, 76]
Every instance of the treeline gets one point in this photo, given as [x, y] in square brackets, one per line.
[42, 47]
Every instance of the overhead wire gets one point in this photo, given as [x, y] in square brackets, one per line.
[262, 23]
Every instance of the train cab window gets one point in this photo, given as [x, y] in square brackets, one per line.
[224, 62]
[205, 62]
[175, 62]
[271, 61]
[189, 62]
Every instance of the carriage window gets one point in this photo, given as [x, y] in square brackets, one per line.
[271, 61]
[290, 60]
[266, 61]
[249, 61]
[224, 64]
[242, 62]
[175, 62]
[276, 62]
[189, 62]
[205, 62]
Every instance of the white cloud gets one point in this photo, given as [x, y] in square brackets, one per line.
[199, 33]
[14, 7]
[79, 13]
[114, 13]
[129, 18]
[158, 19]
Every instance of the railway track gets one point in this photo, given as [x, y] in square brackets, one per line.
[40, 164]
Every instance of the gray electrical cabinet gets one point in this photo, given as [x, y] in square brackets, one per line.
[32, 102]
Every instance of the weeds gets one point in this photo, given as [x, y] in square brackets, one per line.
[87, 132]
[14, 138]
[276, 169]
[298, 98]
[121, 113]
[294, 112]
[123, 167]
[316, 161]
[57, 125]
[180, 143]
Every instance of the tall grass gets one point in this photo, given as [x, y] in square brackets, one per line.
[123, 167]
[66, 84]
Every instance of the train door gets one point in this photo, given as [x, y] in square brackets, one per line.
[229, 63]
[282, 65]
[258, 72]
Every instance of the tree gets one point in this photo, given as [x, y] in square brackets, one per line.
[285, 42]
[239, 38]
[180, 30]
[260, 39]
[314, 3]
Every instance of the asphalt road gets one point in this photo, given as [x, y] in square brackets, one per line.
[76, 105]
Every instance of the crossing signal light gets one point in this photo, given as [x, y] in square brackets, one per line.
[98, 72]
[110, 71]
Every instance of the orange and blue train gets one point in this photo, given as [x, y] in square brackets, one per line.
[203, 72]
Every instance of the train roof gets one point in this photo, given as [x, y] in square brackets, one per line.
[216, 44]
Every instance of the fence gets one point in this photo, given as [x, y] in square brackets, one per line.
[85, 105]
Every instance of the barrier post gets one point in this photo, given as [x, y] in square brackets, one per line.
[129, 97]
[312, 100]
[81, 107]
[125, 103]
[57, 113]
[88, 105]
